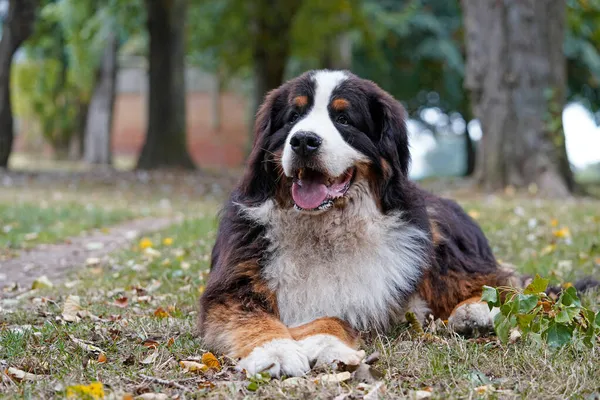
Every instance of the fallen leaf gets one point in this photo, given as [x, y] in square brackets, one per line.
[145, 243]
[90, 348]
[211, 361]
[334, 378]
[94, 390]
[101, 358]
[152, 396]
[419, 394]
[23, 376]
[193, 366]
[71, 308]
[562, 233]
[161, 313]
[170, 342]
[151, 344]
[42, 283]
[151, 358]
[122, 302]
[127, 396]
[481, 390]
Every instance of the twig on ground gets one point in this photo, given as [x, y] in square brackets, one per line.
[165, 382]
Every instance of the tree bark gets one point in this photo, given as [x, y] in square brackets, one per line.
[165, 144]
[18, 26]
[272, 22]
[516, 73]
[100, 113]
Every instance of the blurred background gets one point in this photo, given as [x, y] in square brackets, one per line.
[506, 92]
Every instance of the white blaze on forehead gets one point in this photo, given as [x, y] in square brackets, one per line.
[335, 154]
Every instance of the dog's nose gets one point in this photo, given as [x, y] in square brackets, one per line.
[305, 143]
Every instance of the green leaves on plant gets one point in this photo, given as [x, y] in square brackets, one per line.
[490, 296]
[257, 380]
[540, 318]
[538, 285]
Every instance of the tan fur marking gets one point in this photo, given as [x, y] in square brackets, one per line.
[300, 101]
[470, 300]
[436, 235]
[328, 326]
[340, 104]
[238, 332]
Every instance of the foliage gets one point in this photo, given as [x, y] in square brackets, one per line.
[582, 49]
[55, 83]
[557, 322]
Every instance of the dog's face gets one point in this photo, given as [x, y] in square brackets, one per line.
[321, 133]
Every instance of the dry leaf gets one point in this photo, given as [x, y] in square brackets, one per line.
[71, 308]
[22, 375]
[193, 366]
[121, 302]
[151, 344]
[161, 313]
[127, 396]
[211, 361]
[170, 342]
[419, 394]
[90, 348]
[101, 358]
[334, 378]
[152, 396]
[151, 358]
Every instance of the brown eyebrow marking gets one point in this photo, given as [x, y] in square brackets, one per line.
[340, 104]
[300, 101]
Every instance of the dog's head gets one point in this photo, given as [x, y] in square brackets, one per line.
[322, 133]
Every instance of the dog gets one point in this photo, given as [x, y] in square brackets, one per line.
[326, 237]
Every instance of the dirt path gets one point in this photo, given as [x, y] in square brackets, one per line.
[56, 260]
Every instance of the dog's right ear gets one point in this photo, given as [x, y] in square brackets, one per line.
[260, 174]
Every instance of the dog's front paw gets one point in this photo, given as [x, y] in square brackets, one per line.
[278, 357]
[325, 349]
[472, 319]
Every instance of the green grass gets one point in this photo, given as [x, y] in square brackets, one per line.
[171, 277]
[27, 224]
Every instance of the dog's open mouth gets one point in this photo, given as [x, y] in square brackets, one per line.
[313, 190]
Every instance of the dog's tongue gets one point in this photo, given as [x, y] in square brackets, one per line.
[309, 193]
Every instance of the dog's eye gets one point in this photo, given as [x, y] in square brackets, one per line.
[294, 117]
[342, 120]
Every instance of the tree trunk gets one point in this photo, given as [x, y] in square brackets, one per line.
[100, 113]
[514, 61]
[18, 26]
[469, 155]
[272, 22]
[165, 144]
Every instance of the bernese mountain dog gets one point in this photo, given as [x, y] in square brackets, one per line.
[326, 237]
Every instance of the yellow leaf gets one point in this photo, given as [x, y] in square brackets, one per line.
[567, 285]
[211, 361]
[168, 241]
[548, 249]
[42, 283]
[554, 222]
[562, 233]
[161, 313]
[193, 366]
[145, 243]
[94, 391]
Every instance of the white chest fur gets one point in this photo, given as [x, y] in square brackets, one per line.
[354, 263]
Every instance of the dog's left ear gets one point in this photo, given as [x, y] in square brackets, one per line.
[390, 121]
[259, 178]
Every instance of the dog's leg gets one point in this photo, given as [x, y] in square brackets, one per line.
[263, 343]
[328, 340]
[472, 316]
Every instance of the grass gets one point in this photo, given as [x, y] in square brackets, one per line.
[27, 224]
[146, 296]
